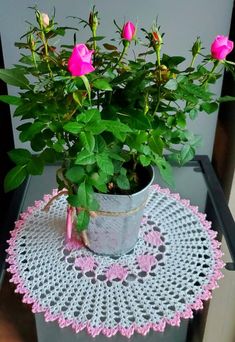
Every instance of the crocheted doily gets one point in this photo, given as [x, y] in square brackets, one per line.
[173, 267]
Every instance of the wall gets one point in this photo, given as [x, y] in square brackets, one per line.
[181, 20]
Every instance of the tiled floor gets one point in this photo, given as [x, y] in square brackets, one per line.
[16, 319]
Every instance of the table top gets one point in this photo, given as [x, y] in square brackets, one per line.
[174, 235]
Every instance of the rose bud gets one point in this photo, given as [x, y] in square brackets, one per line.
[79, 62]
[221, 47]
[156, 38]
[128, 31]
[45, 19]
[93, 21]
[197, 46]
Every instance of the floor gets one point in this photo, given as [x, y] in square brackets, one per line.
[16, 319]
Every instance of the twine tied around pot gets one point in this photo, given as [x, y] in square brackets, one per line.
[71, 214]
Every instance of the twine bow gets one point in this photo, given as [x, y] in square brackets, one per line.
[71, 214]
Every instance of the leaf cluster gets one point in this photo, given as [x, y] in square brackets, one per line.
[100, 126]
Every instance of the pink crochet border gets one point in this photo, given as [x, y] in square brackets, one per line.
[128, 332]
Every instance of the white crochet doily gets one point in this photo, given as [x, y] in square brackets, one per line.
[173, 267]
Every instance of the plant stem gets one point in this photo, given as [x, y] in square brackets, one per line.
[158, 101]
[45, 43]
[94, 41]
[158, 55]
[121, 56]
[98, 99]
[211, 72]
[192, 61]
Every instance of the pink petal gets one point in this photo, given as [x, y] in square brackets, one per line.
[79, 62]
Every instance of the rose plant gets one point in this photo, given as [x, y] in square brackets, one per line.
[99, 114]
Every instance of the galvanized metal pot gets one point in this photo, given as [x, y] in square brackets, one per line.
[114, 231]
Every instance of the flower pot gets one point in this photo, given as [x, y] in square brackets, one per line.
[115, 228]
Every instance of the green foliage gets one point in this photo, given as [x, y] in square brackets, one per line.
[15, 178]
[15, 77]
[100, 125]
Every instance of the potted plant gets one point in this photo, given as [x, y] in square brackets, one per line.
[106, 118]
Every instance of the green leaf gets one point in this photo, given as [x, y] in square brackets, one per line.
[196, 141]
[156, 143]
[14, 77]
[165, 170]
[118, 129]
[192, 92]
[93, 204]
[102, 84]
[23, 127]
[21, 45]
[85, 158]
[96, 128]
[105, 164]
[209, 107]
[15, 178]
[172, 61]
[24, 108]
[73, 127]
[59, 31]
[20, 156]
[35, 166]
[181, 119]
[83, 194]
[193, 113]
[226, 99]
[73, 200]
[137, 120]
[98, 180]
[29, 132]
[88, 140]
[112, 126]
[123, 182]
[90, 115]
[116, 156]
[83, 219]
[145, 160]
[100, 144]
[87, 85]
[48, 155]
[97, 38]
[78, 97]
[171, 84]
[187, 153]
[12, 100]
[58, 146]
[109, 47]
[38, 143]
[75, 174]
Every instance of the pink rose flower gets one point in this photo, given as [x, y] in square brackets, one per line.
[79, 62]
[221, 47]
[128, 31]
